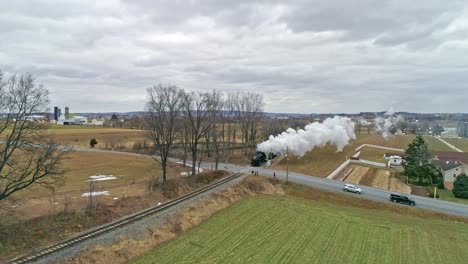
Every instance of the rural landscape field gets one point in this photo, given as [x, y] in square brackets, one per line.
[233, 132]
[297, 230]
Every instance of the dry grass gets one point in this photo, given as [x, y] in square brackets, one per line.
[51, 226]
[382, 179]
[80, 136]
[127, 249]
[373, 154]
[368, 177]
[357, 174]
[397, 185]
[79, 166]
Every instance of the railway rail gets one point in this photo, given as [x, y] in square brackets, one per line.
[87, 235]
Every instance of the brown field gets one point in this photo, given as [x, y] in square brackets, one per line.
[378, 178]
[373, 154]
[132, 172]
[106, 137]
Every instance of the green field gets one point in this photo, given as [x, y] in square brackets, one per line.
[434, 144]
[285, 229]
[461, 143]
[448, 196]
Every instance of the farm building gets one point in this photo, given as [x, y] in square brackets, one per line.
[394, 159]
[449, 132]
[452, 164]
[450, 169]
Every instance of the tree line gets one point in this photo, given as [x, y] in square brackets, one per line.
[204, 123]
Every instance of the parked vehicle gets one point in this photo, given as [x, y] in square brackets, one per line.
[351, 188]
[396, 198]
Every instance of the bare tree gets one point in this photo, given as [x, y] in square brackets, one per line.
[27, 157]
[163, 109]
[215, 111]
[197, 116]
[249, 112]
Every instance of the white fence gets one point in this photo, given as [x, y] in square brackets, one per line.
[335, 172]
[368, 162]
[379, 147]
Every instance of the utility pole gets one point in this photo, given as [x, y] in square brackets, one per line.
[287, 164]
[435, 192]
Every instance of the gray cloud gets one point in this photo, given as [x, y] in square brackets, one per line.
[303, 55]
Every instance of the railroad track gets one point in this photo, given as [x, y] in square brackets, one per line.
[38, 254]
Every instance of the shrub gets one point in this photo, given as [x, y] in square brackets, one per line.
[430, 192]
[93, 142]
[460, 186]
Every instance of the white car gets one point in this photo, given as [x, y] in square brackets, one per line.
[352, 188]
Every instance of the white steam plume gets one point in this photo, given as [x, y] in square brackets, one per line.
[384, 125]
[336, 130]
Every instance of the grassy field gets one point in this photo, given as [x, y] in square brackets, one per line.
[434, 144]
[106, 137]
[373, 154]
[461, 143]
[292, 230]
[448, 196]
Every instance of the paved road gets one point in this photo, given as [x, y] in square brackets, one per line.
[332, 185]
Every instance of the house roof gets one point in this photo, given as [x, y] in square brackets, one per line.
[390, 154]
[448, 155]
[446, 165]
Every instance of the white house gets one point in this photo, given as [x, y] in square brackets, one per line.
[97, 121]
[394, 161]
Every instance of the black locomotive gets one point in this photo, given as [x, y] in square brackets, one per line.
[261, 158]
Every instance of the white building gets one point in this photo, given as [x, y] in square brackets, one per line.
[97, 121]
[74, 120]
[449, 132]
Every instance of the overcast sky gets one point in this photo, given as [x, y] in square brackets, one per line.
[304, 56]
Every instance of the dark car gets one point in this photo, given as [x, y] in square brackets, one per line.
[396, 198]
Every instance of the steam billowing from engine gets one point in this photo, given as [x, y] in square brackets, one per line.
[336, 130]
[385, 125]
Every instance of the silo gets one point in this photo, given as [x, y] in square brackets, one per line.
[56, 113]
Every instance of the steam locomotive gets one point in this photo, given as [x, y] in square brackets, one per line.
[261, 158]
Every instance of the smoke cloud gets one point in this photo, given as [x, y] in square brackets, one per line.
[385, 125]
[336, 130]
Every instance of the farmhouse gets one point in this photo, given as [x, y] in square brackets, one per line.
[450, 169]
[451, 164]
